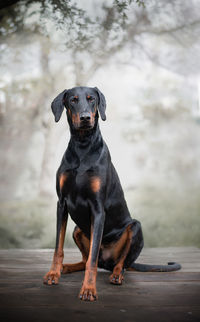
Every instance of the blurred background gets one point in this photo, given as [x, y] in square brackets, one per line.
[145, 57]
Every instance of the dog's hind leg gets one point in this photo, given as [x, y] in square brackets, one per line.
[83, 244]
[127, 249]
[121, 249]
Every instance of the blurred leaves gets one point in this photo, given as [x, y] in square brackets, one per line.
[65, 15]
[101, 33]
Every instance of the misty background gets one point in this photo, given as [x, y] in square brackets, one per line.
[145, 57]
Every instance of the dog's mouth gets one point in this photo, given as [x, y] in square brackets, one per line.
[84, 125]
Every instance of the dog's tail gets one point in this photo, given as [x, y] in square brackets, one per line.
[170, 267]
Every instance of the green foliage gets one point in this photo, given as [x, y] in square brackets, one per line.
[66, 16]
[140, 3]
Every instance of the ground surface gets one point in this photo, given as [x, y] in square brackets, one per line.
[145, 297]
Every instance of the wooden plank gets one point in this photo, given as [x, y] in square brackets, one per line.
[188, 257]
[135, 294]
[91, 312]
[162, 297]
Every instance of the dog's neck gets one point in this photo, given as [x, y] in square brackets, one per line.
[83, 142]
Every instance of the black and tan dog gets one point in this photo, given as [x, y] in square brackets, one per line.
[89, 190]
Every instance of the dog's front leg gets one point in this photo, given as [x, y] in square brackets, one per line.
[88, 291]
[53, 275]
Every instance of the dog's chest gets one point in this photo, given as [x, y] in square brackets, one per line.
[76, 192]
[76, 186]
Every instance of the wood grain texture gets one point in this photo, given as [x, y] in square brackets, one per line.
[145, 297]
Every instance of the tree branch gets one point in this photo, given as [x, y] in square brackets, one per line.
[7, 3]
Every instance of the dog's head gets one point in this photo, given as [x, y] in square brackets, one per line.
[82, 105]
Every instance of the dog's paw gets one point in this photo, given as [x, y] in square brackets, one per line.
[88, 293]
[52, 277]
[116, 279]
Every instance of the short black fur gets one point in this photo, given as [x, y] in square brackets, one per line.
[87, 158]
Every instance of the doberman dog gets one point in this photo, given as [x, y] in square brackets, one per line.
[89, 189]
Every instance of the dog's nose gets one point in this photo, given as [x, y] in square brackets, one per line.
[85, 116]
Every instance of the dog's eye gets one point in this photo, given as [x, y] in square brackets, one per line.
[74, 99]
[90, 98]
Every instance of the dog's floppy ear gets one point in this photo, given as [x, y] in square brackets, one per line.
[101, 104]
[57, 105]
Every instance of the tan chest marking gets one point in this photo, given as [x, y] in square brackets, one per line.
[95, 184]
[63, 178]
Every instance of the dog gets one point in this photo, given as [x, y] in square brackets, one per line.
[89, 189]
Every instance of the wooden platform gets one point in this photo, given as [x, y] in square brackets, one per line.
[145, 297]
